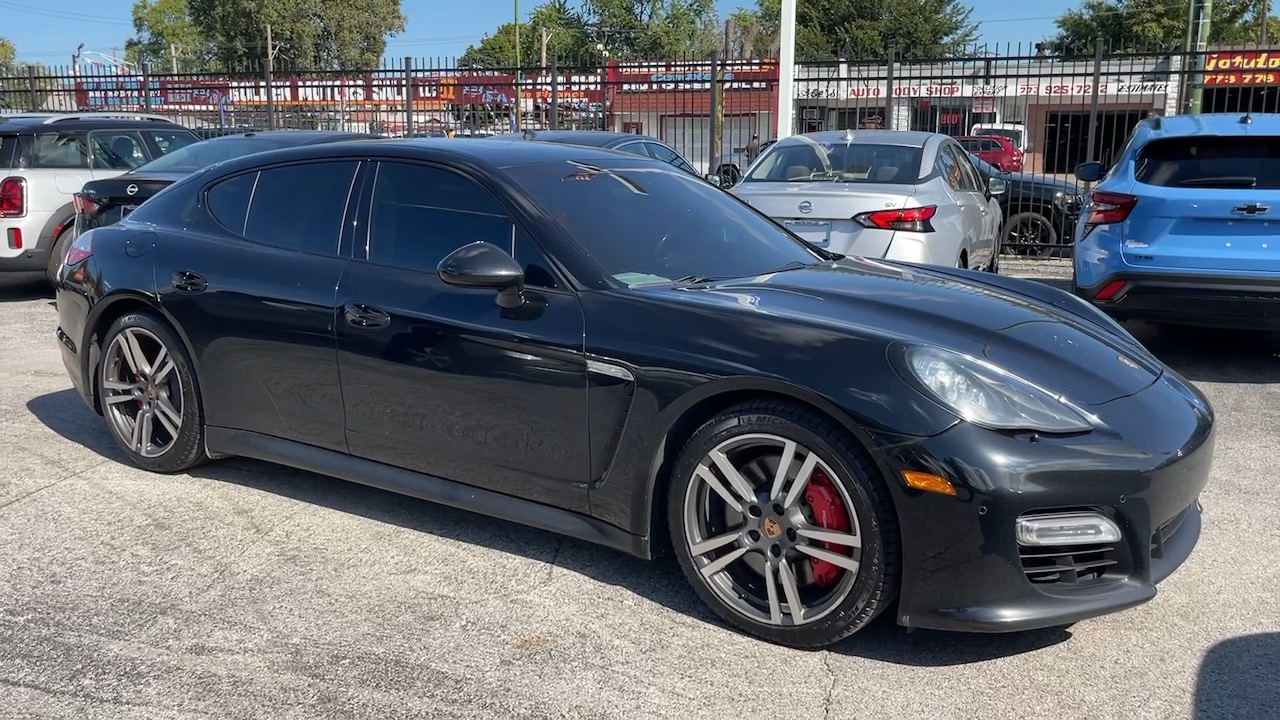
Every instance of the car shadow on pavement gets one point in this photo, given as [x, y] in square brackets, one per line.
[1238, 679]
[660, 581]
[1212, 354]
[17, 289]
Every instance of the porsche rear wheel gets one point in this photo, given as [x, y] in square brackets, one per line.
[783, 525]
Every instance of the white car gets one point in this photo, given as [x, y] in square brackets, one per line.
[45, 158]
[897, 195]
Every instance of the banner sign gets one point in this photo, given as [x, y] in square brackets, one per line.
[1031, 87]
[1242, 68]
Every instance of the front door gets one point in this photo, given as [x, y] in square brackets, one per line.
[253, 287]
[441, 380]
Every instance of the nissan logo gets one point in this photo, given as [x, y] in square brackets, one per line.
[806, 207]
[131, 190]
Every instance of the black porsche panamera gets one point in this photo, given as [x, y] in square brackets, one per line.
[601, 345]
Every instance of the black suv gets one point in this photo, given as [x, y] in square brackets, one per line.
[45, 158]
[1039, 212]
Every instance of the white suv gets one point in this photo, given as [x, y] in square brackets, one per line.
[45, 158]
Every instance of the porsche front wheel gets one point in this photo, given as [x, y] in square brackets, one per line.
[783, 525]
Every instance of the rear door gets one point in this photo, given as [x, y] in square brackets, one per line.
[1206, 204]
[961, 181]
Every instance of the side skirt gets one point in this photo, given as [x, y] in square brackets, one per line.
[222, 442]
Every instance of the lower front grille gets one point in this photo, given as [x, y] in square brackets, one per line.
[1164, 532]
[1075, 565]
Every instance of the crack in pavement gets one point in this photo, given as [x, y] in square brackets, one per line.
[42, 488]
[831, 688]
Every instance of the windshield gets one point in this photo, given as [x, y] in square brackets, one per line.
[660, 225]
[837, 162]
[207, 152]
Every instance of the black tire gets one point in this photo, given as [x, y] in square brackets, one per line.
[1042, 225]
[187, 449]
[729, 176]
[57, 252]
[875, 585]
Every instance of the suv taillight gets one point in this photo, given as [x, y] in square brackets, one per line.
[1109, 207]
[13, 197]
[906, 219]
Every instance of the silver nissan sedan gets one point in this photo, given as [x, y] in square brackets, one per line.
[898, 195]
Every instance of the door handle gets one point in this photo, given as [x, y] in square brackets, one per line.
[188, 282]
[365, 316]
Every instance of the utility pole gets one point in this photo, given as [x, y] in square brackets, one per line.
[271, 70]
[173, 57]
[786, 69]
[546, 35]
[1266, 20]
[1204, 13]
[515, 109]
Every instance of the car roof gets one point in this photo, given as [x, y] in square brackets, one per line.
[594, 138]
[493, 154]
[1209, 124]
[53, 122]
[301, 137]
[909, 138]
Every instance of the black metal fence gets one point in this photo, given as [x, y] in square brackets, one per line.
[1053, 111]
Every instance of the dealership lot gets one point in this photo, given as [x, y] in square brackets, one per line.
[248, 590]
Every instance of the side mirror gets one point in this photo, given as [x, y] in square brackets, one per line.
[1089, 172]
[712, 178]
[996, 186]
[485, 265]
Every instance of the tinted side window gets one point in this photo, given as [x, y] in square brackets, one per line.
[661, 153]
[968, 176]
[8, 151]
[166, 141]
[301, 207]
[421, 214]
[635, 148]
[228, 201]
[116, 149]
[537, 271]
[60, 150]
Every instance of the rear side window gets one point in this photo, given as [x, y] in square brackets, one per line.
[166, 141]
[1237, 163]
[300, 207]
[60, 151]
[8, 151]
[228, 201]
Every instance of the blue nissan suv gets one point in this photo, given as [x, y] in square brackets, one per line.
[1184, 227]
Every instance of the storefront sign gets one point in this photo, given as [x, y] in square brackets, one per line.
[692, 77]
[1242, 68]
[1028, 88]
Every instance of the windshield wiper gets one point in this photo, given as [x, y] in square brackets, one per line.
[1221, 181]
[693, 280]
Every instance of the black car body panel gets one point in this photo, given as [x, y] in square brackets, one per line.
[1058, 201]
[566, 412]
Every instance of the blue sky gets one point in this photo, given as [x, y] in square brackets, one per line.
[49, 30]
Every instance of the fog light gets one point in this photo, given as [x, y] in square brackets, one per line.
[1076, 528]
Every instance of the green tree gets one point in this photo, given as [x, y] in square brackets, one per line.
[8, 54]
[654, 29]
[308, 34]
[1153, 25]
[160, 24]
[567, 37]
[865, 29]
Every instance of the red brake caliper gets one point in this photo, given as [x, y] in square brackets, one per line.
[829, 514]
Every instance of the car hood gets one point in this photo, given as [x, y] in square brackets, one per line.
[1046, 344]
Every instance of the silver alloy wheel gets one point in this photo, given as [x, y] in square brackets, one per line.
[142, 392]
[751, 530]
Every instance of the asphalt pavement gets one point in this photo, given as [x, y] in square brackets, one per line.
[246, 590]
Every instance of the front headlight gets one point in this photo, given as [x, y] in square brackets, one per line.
[989, 396]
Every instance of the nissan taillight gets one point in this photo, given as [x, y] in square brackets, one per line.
[85, 205]
[1109, 207]
[13, 197]
[906, 219]
[80, 249]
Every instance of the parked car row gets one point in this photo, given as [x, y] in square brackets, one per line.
[602, 344]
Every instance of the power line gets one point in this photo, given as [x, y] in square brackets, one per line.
[62, 15]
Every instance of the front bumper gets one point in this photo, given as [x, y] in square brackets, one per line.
[962, 567]
[1236, 302]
